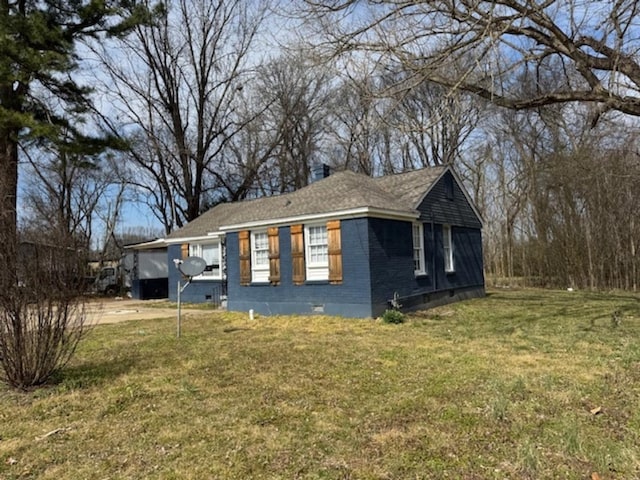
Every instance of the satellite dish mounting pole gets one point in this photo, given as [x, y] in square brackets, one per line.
[180, 288]
[188, 268]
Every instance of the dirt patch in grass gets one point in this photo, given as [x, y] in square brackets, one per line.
[107, 310]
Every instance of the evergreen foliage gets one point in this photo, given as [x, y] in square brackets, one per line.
[39, 96]
[41, 317]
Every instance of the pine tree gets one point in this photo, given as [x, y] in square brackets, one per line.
[39, 97]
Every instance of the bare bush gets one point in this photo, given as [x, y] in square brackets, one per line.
[42, 309]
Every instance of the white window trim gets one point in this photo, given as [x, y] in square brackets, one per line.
[422, 270]
[447, 247]
[317, 271]
[195, 249]
[259, 274]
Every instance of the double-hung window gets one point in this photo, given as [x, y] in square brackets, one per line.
[317, 252]
[259, 257]
[447, 244]
[211, 252]
[418, 250]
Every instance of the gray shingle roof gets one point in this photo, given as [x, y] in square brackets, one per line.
[209, 221]
[339, 192]
[410, 187]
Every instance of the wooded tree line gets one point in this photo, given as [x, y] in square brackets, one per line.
[563, 206]
[194, 103]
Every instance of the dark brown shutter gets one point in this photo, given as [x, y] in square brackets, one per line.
[334, 246]
[184, 250]
[274, 255]
[297, 254]
[244, 253]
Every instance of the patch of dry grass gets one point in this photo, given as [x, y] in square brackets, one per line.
[500, 387]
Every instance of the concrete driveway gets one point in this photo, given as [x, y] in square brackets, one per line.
[115, 311]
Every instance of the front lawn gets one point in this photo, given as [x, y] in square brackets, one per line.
[521, 384]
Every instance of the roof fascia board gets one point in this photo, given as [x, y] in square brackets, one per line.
[199, 238]
[467, 196]
[433, 183]
[339, 215]
[151, 244]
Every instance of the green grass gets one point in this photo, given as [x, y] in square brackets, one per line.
[500, 387]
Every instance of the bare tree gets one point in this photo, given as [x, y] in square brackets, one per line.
[436, 124]
[248, 156]
[558, 203]
[65, 191]
[176, 86]
[590, 46]
[356, 124]
[300, 93]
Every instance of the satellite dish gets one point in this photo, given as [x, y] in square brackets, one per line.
[192, 266]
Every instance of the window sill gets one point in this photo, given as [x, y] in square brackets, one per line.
[317, 282]
[449, 272]
[420, 274]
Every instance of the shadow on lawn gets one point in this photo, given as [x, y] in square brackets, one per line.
[90, 374]
[592, 309]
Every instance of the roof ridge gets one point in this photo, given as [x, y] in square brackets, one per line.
[409, 172]
[343, 191]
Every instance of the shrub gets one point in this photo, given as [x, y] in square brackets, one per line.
[42, 312]
[393, 316]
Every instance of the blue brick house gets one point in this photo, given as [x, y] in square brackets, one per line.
[347, 244]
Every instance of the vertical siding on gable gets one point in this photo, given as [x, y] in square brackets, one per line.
[438, 208]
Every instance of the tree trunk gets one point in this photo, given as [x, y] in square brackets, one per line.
[8, 210]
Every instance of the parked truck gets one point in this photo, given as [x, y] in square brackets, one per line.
[142, 273]
[113, 280]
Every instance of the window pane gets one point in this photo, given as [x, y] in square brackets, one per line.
[261, 257]
[260, 241]
[318, 248]
[448, 248]
[318, 254]
[416, 260]
[418, 252]
[260, 250]
[317, 235]
[416, 235]
[211, 254]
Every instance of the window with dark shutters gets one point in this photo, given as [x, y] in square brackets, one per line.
[297, 254]
[244, 253]
[335, 252]
[274, 256]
